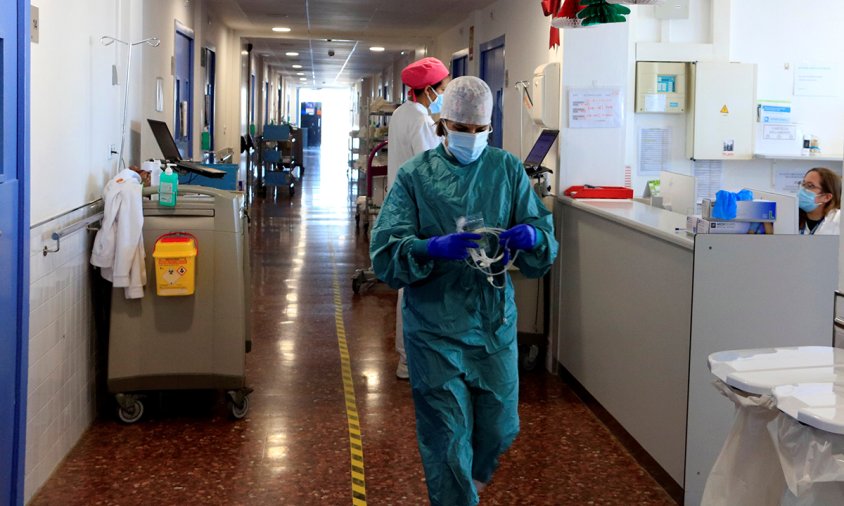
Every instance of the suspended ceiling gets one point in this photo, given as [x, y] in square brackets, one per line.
[346, 27]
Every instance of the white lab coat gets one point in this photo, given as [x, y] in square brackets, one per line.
[119, 246]
[412, 131]
[830, 225]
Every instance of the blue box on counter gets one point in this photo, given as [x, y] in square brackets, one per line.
[746, 210]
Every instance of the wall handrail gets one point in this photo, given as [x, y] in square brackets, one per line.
[83, 223]
[65, 213]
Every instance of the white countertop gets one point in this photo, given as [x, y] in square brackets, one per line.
[642, 217]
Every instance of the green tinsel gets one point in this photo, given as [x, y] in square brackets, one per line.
[598, 12]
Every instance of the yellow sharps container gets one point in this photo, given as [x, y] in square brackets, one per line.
[175, 264]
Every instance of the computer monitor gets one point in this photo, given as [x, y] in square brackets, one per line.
[678, 192]
[787, 217]
[541, 147]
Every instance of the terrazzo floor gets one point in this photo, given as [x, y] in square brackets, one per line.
[293, 445]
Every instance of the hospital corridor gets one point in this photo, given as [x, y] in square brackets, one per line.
[293, 446]
[445, 253]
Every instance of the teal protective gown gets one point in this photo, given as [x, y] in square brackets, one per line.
[460, 332]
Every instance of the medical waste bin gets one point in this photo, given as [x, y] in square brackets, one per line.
[192, 342]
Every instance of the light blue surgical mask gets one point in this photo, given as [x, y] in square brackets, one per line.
[436, 105]
[465, 146]
[806, 200]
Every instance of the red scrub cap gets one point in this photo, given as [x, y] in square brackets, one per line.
[425, 72]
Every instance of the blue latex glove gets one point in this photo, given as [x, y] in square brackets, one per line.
[452, 246]
[519, 237]
[725, 207]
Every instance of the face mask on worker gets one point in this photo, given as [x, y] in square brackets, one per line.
[467, 147]
[436, 105]
[806, 200]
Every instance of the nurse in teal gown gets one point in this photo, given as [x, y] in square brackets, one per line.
[460, 323]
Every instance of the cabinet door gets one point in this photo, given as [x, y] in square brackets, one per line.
[723, 110]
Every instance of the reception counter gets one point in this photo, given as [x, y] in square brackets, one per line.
[639, 305]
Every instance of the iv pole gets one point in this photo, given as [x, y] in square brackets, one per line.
[107, 41]
[523, 85]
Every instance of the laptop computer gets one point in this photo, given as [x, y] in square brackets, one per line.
[171, 152]
[540, 149]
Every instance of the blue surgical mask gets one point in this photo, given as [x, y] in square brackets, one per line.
[467, 147]
[806, 200]
[437, 104]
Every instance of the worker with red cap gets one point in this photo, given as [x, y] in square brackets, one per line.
[413, 131]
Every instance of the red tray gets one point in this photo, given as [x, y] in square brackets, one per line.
[599, 192]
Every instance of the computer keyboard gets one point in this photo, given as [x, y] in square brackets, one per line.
[200, 169]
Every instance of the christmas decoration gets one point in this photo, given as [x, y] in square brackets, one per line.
[550, 8]
[598, 12]
[636, 2]
[566, 17]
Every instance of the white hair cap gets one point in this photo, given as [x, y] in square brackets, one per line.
[467, 100]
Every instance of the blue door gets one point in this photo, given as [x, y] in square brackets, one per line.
[492, 71]
[210, 94]
[14, 243]
[266, 103]
[184, 92]
[459, 66]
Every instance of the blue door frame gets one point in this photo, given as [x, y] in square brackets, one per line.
[493, 72]
[183, 94]
[14, 244]
[459, 65]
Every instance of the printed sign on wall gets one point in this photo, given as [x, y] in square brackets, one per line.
[595, 107]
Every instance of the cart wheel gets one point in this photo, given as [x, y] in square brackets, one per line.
[531, 358]
[132, 413]
[238, 412]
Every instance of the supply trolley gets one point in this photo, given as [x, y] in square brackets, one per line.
[375, 183]
[277, 160]
[188, 342]
[370, 206]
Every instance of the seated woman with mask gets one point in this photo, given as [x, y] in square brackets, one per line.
[819, 199]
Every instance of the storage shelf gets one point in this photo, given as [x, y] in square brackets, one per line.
[813, 158]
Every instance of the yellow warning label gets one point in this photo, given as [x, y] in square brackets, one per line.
[724, 110]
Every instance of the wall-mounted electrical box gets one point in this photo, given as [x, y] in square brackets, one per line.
[545, 91]
[722, 111]
[661, 87]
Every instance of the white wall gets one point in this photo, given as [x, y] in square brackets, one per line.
[752, 34]
[526, 35]
[61, 392]
[75, 108]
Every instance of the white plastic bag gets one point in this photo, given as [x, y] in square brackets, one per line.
[812, 462]
[747, 471]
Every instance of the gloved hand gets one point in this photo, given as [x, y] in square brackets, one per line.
[521, 236]
[452, 246]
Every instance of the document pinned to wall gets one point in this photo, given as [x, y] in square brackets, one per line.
[787, 180]
[654, 151]
[779, 132]
[595, 107]
[708, 178]
[816, 80]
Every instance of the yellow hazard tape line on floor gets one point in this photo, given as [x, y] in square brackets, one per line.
[355, 441]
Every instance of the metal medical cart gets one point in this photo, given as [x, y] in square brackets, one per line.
[187, 342]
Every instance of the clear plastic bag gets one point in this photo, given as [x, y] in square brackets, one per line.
[747, 471]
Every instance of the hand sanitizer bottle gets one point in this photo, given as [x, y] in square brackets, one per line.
[168, 187]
